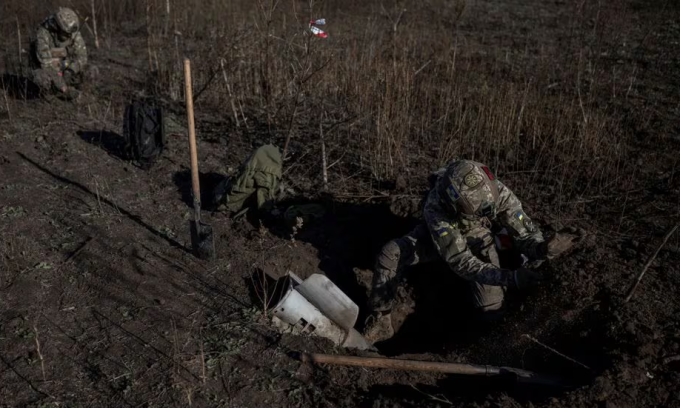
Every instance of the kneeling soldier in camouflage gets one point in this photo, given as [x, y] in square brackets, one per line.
[59, 55]
[461, 212]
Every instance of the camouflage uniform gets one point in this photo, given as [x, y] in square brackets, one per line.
[59, 54]
[466, 204]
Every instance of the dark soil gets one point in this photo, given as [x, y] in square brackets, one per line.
[103, 304]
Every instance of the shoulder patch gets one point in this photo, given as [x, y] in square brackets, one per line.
[453, 194]
[472, 179]
[526, 221]
[442, 232]
[444, 228]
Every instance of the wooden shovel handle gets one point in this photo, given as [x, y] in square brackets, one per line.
[448, 368]
[395, 364]
[188, 95]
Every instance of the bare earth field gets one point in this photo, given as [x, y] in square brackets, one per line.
[103, 304]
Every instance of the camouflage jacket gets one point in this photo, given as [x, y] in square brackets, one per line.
[448, 233]
[48, 48]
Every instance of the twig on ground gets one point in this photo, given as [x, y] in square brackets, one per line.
[76, 253]
[99, 201]
[167, 17]
[243, 115]
[94, 26]
[37, 349]
[324, 167]
[634, 286]
[555, 351]
[4, 94]
[337, 161]
[441, 399]
[203, 376]
[190, 393]
[671, 359]
[422, 68]
[148, 35]
[19, 38]
[231, 97]
[175, 347]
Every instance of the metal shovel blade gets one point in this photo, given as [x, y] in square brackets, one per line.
[202, 240]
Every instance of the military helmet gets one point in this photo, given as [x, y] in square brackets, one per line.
[66, 20]
[469, 188]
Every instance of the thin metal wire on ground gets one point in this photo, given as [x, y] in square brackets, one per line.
[556, 352]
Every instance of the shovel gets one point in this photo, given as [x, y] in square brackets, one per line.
[202, 238]
[521, 376]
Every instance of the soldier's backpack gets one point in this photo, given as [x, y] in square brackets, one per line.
[256, 183]
[144, 132]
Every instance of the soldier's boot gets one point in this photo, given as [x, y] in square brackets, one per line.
[378, 325]
[70, 94]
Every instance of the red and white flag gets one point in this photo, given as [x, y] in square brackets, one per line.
[318, 32]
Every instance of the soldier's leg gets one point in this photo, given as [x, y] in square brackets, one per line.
[43, 79]
[485, 298]
[48, 80]
[411, 249]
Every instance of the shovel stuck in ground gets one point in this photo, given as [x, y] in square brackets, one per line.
[521, 376]
[202, 238]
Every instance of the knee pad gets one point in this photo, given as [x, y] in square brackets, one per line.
[487, 298]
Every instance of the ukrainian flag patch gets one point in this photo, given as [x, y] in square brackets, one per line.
[453, 194]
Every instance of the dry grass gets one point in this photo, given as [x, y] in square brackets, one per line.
[397, 84]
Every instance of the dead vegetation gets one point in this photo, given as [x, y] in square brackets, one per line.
[402, 85]
[565, 100]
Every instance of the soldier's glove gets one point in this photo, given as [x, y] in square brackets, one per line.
[378, 327]
[74, 67]
[526, 278]
[541, 251]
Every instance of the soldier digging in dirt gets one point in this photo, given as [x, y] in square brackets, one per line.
[59, 55]
[461, 213]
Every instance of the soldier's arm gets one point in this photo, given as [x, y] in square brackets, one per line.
[43, 49]
[79, 60]
[454, 251]
[526, 236]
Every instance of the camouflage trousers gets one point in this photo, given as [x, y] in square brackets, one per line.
[417, 247]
